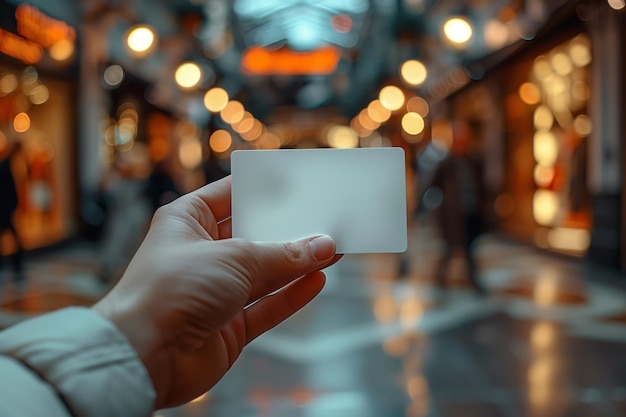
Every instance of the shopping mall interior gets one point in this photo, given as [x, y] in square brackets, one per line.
[509, 113]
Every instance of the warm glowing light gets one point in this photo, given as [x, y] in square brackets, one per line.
[413, 123]
[418, 105]
[284, 61]
[580, 91]
[496, 34]
[410, 312]
[377, 112]
[397, 346]
[255, 131]
[366, 121]
[545, 148]
[39, 94]
[233, 112]
[546, 289]
[540, 379]
[576, 240]
[342, 137]
[190, 152]
[245, 124]
[530, 93]
[188, 75]
[543, 175]
[268, 140]
[542, 68]
[141, 39]
[582, 125]
[21, 122]
[220, 141]
[8, 84]
[562, 64]
[385, 309]
[113, 75]
[543, 118]
[617, 4]
[216, 99]
[458, 30]
[20, 48]
[542, 336]
[392, 98]
[62, 50]
[546, 206]
[580, 51]
[414, 72]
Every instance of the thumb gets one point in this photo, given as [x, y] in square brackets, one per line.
[271, 266]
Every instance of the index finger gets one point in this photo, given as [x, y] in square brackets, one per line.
[216, 196]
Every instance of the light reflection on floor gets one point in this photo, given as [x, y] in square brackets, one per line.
[549, 340]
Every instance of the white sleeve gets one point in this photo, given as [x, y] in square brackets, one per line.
[72, 362]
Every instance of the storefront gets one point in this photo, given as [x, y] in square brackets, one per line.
[534, 116]
[37, 108]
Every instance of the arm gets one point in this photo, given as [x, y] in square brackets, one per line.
[187, 305]
[71, 363]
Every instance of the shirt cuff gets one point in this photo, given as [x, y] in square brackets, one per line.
[86, 359]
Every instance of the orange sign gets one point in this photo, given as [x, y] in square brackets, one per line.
[20, 48]
[40, 28]
[38, 31]
[263, 61]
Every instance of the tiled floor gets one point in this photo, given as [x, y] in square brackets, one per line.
[549, 340]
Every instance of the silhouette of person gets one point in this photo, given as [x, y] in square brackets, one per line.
[460, 216]
[129, 210]
[161, 187]
[8, 206]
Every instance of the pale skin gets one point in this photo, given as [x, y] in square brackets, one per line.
[192, 297]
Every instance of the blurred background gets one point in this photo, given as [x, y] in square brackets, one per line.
[511, 299]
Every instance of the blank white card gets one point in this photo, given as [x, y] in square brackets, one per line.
[357, 196]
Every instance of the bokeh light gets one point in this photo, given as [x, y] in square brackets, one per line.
[216, 99]
[141, 39]
[188, 75]
[391, 97]
[414, 72]
[21, 122]
[220, 141]
[233, 112]
[413, 123]
[113, 75]
[458, 30]
[342, 137]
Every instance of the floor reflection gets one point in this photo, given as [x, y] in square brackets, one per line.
[383, 340]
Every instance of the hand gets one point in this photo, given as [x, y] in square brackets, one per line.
[193, 297]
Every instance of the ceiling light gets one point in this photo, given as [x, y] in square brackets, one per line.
[392, 98]
[188, 75]
[414, 72]
[458, 30]
[216, 99]
[141, 39]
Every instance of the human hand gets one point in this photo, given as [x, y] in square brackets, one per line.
[193, 297]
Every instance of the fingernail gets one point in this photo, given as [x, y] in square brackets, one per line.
[322, 247]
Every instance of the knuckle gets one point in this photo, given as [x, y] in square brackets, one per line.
[293, 252]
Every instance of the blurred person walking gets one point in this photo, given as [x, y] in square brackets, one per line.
[460, 217]
[8, 207]
[161, 187]
[128, 213]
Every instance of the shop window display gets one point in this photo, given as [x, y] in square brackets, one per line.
[550, 147]
[36, 112]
